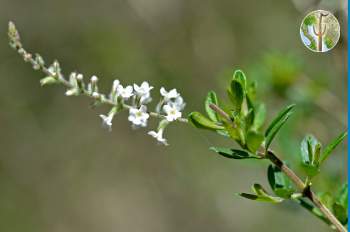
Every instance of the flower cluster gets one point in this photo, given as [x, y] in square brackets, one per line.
[133, 98]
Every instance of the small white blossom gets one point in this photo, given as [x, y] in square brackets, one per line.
[95, 95]
[169, 95]
[179, 103]
[143, 89]
[94, 79]
[138, 117]
[159, 136]
[126, 92]
[73, 79]
[115, 85]
[172, 112]
[107, 120]
[80, 77]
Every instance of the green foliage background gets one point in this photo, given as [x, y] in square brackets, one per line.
[60, 171]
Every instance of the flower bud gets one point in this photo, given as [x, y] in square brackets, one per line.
[94, 79]
[80, 77]
[96, 95]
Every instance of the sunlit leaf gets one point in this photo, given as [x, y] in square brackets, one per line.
[276, 125]
[236, 95]
[239, 76]
[211, 99]
[280, 117]
[254, 140]
[279, 182]
[200, 121]
[330, 147]
[259, 117]
[234, 153]
[261, 195]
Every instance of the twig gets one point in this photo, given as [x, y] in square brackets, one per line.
[306, 190]
[295, 179]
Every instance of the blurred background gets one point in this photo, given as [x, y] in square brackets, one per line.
[61, 172]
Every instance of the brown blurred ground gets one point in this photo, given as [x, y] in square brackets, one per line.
[60, 172]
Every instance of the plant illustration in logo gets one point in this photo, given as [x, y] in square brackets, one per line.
[320, 31]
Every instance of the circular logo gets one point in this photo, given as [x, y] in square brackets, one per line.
[320, 31]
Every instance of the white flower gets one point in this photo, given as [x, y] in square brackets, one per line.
[139, 116]
[159, 136]
[126, 92]
[169, 95]
[145, 99]
[94, 79]
[179, 103]
[80, 77]
[95, 95]
[172, 112]
[143, 90]
[107, 121]
[115, 85]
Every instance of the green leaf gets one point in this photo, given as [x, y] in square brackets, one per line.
[279, 182]
[211, 99]
[308, 149]
[271, 132]
[254, 140]
[249, 118]
[48, 81]
[327, 151]
[341, 213]
[239, 76]
[326, 199]
[259, 118]
[234, 153]
[342, 196]
[199, 121]
[261, 195]
[280, 117]
[340, 205]
[236, 95]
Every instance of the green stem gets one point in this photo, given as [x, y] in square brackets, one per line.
[305, 189]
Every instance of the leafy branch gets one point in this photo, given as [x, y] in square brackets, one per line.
[242, 121]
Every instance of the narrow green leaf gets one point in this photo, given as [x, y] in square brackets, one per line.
[317, 154]
[341, 213]
[236, 95]
[342, 196]
[259, 117]
[281, 115]
[327, 151]
[279, 182]
[261, 195]
[254, 197]
[249, 118]
[308, 149]
[273, 131]
[234, 153]
[211, 99]
[258, 189]
[239, 76]
[254, 140]
[200, 121]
